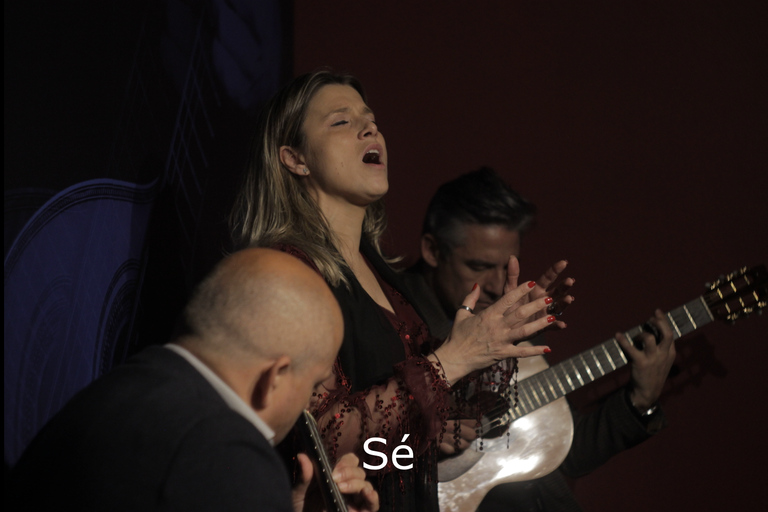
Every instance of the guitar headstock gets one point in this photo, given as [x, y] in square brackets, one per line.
[738, 294]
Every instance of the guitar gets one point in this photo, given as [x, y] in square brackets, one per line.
[310, 436]
[534, 439]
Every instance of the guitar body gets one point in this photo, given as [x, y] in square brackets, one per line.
[537, 444]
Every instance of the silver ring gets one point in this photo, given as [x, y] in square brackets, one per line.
[467, 308]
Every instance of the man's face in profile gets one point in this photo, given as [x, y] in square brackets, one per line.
[481, 257]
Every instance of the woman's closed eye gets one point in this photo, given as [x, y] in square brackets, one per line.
[339, 123]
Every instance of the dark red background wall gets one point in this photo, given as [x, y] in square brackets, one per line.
[640, 130]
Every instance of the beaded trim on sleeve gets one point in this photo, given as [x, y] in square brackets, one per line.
[439, 365]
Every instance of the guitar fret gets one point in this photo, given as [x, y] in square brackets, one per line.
[597, 362]
[594, 361]
[674, 324]
[557, 376]
[576, 371]
[560, 383]
[526, 397]
[608, 355]
[529, 396]
[682, 321]
[536, 396]
[621, 353]
[552, 386]
[541, 383]
[690, 318]
[549, 384]
[518, 411]
[543, 390]
[706, 308]
[529, 399]
[700, 312]
[586, 367]
[522, 408]
[567, 376]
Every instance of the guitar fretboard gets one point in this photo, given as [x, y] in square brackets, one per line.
[559, 380]
[307, 427]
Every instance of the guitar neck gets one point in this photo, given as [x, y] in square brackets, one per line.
[581, 369]
[307, 427]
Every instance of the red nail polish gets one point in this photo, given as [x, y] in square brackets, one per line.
[548, 300]
[550, 319]
[474, 287]
[547, 350]
[531, 284]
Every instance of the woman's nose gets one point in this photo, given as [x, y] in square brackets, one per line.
[369, 129]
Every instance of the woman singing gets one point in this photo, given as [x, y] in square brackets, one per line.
[313, 188]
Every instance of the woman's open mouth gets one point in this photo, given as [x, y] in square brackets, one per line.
[372, 157]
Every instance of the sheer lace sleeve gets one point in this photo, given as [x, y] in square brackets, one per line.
[485, 396]
[413, 403]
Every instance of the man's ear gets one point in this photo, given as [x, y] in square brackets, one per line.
[271, 383]
[429, 249]
[293, 160]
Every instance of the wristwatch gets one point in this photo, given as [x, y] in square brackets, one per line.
[648, 412]
[641, 413]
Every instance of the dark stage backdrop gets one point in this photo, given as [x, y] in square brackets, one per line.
[639, 129]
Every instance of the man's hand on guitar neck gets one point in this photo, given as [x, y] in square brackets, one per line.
[651, 364]
[350, 478]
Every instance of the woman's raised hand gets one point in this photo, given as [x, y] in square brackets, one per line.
[551, 284]
[480, 340]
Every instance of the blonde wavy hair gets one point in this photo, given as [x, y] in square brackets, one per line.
[273, 205]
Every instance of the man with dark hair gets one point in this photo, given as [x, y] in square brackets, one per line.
[472, 228]
[190, 425]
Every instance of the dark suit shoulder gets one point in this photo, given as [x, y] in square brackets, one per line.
[120, 443]
[224, 464]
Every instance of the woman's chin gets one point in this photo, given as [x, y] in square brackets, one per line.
[378, 191]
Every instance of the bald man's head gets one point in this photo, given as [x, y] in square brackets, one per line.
[270, 327]
[260, 303]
